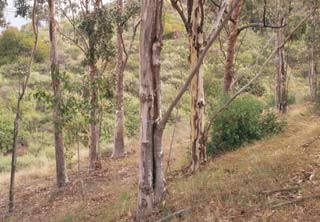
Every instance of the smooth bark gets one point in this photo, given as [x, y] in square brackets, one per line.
[118, 149]
[231, 44]
[61, 172]
[313, 75]
[93, 159]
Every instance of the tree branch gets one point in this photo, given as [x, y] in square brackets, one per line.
[231, 99]
[214, 33]
[179, 9]
[261, 25]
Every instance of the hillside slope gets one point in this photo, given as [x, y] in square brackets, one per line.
[244, 185]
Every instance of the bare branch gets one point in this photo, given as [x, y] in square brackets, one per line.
[75, 28]
[71, 40]
[179, 9]
[260, 25]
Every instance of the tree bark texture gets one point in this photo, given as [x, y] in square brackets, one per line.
[313, 75]
[281, 75]
[118, 149]
[151, 179]
[197, 115]
[231, 45]
[61, 172]
[93, 159]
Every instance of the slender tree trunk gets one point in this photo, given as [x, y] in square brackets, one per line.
[16, 124]
[94, 162]
[118, 149]
[313, 75]
[197, 117]
[151, 180]
[282, 73]
[62, 178]
[231, 44]
[14, 157]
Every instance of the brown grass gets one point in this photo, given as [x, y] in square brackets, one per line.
[228, 188]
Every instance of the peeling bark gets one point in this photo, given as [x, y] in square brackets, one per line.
[151, 180]
[197, 115]
[231, 44]
[118, 150]
[62, 178]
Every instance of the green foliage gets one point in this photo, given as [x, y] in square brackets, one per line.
[256, 88]
[15, 43]
[6, 132]
[242, 122]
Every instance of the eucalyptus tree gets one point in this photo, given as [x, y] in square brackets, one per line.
[61, 172]
[124, 12]
[311, 39]
[193, 20]
[92, 32]
[3, 4]
[152, 124]
[23, 74]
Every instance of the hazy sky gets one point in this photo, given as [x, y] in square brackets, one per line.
[9, 14]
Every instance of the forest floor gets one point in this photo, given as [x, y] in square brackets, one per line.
[275, 179]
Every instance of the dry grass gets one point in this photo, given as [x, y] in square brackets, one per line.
[227, 189]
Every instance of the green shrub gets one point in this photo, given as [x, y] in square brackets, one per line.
[242, 122]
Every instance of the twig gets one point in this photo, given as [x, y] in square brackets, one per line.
[268, 192]
[298, 200]
[307, 144]
[171, 143]
[178, 213]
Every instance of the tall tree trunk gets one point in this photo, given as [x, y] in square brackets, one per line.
[93, 159]
[151, 180]
[197, 117]
[62, 178]
[118, 149]
[281, 84]
[313, 75]
[231, 44]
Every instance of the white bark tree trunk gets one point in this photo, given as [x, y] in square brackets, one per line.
[151, 180]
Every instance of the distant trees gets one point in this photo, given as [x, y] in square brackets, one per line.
[15, 43]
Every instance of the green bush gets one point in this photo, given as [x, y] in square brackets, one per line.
[242, 122]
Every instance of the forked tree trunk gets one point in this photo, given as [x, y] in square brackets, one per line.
[231, 44]
[151, 180]
[62, 178]
[93, 159]
[313, 75]
[118, 149]
[197, 115]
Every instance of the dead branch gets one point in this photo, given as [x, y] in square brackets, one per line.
[178, 213]
[307, 144]
[298, 200]
[269, 192]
